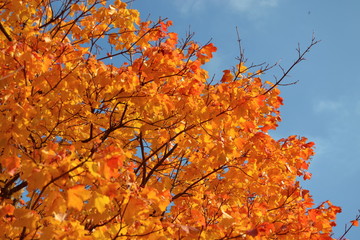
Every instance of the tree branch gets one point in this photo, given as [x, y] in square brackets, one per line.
[347, 229]
[4, 32]
[298, 60]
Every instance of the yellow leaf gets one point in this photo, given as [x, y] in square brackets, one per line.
[100, 202]
[133, 210]
[25, 218]
[76, 197]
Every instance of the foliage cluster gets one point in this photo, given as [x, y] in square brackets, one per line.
[110, 129]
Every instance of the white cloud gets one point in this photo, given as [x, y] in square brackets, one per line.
[241, 5]
[188, 6]
[252, 5]
[269, 3]
[327, 106]
[249, 7]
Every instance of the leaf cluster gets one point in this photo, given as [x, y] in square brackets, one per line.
[110, 129]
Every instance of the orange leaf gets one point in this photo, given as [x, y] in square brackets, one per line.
[307, 176]
[227, 77]
[115, 162]
[76, 196]
[11, 164]
[8, 209]
[355, 223]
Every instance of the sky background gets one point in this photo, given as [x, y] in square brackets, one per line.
[323, 106]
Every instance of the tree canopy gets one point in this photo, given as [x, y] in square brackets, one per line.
[110, 128]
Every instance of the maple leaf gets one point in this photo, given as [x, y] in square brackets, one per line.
[100, 202]
[355, 223]
[76, 196]
[227, 77]
[11, 165]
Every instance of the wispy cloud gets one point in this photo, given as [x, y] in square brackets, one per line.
[188, 6]
[250, 7]
[327, 106]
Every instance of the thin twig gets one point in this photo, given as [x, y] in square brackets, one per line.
[11, 74]
[348, 229]
[298, 60]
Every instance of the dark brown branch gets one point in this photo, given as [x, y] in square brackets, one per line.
[4, 32]
[143, 163]
[7, 191]
[144, 181]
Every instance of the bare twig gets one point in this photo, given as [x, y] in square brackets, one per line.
[297, 61]
[347, 229]
[241, 57]
[263, 67]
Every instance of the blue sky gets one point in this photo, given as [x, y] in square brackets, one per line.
[324, 105]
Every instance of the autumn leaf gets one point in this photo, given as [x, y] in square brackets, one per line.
[227, 76]
[307, 176]
[355, 223]
[7, 212]
[76, 196]
[100, 202]
[25, 218]
[11, 165]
